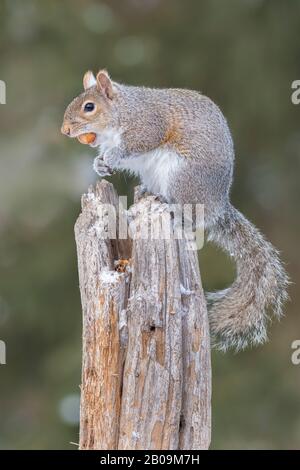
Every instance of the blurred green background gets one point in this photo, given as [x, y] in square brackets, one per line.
[244, 54]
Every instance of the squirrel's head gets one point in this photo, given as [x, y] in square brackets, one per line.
[91, 111]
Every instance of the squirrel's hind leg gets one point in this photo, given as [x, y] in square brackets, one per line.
[202, 183]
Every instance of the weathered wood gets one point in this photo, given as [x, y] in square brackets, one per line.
[154, 318]
[104, 298]
[152, 381]
[195, 432]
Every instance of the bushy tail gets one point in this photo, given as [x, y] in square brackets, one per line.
[239, 315]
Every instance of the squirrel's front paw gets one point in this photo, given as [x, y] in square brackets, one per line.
[101, 168]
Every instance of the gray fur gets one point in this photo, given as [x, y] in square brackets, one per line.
[192, 126]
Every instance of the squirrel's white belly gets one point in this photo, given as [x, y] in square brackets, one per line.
[155, 169]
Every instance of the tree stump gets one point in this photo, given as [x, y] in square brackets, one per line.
[146, 373]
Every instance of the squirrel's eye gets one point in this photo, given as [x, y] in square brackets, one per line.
[88, 107]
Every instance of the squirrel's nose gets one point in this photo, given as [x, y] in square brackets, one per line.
[65, 129]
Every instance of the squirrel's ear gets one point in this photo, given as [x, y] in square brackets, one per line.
[104, 84]
[89, 80]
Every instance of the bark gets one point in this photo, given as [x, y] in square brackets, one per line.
[146, 373]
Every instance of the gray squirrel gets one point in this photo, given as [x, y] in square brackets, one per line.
[179, 144]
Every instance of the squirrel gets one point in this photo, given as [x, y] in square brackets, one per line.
[178, 142]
